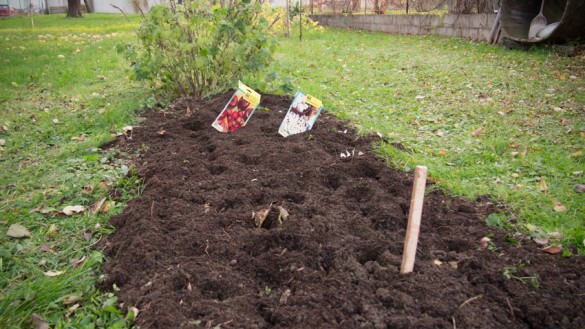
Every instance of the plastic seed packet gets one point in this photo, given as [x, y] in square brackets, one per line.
[301, 115]
[238, 110]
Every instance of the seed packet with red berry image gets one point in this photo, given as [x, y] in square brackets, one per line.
[301, 115]
[238, 110]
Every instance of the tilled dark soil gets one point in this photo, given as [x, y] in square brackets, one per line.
[187, 252]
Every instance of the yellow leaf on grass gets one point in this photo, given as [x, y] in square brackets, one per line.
[18, 231]
[542, 185]
[72, 299]
[96, 206]
[70, 210]
[443, 152]
[53, 230]
[559, 207]
[53, 273]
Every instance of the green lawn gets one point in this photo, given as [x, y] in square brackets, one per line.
[486, 121]
[63, 93]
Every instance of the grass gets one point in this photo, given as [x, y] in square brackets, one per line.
[485, 120]
[64, 92]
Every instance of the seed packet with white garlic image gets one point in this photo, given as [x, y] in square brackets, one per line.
[301, 115]
[238, 110]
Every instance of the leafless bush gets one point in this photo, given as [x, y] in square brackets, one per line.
[380, 6]
[470, 6]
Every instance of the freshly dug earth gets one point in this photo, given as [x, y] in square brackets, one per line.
[187, 252]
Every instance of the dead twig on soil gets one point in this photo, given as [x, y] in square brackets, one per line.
[454, 323]
[510, 306]
[470, 300]
[151, 208]
[206, 247]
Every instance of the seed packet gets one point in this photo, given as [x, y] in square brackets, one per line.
[301, 115]
[238, 110]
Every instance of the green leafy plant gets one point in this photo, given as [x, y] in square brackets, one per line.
[510, 273]
[199, 48]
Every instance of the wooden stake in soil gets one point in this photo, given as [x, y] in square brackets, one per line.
[414, 215]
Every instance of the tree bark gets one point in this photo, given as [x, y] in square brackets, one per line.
[88, 6]
[74, 8]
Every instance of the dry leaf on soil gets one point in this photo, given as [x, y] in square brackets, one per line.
[553, 249]
[18, 231]
[541, 242]
[484, 242]
[87, 236]
[283, 214]
[260, 216]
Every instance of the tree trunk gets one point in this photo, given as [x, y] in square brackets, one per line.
[88, 6]
[74, 8]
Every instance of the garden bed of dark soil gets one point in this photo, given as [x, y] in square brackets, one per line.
[188, 255]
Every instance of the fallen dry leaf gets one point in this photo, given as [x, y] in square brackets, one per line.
[70, 210]
[484, 242]
[44, 210]
[553, 249]
[284, 297]
[542, 185]
[18, 231]
[78, 262]
[477, 132]
[39, 322]
[87, 236]
[96, 206]
[580, 188]
[46, 248]
[87, 189]
[443, 152]
[437, 262]
[53, 230]
[107, 207]
[2, 142]
[559, 207]
[260, 216]
[73, 308]
[53, 273]
[541, 242]
[283, 214]
[72, 299]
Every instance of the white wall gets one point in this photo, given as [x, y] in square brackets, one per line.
[23, 4]
[101, 6]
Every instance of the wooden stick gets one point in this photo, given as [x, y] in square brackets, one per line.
[414, 215]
